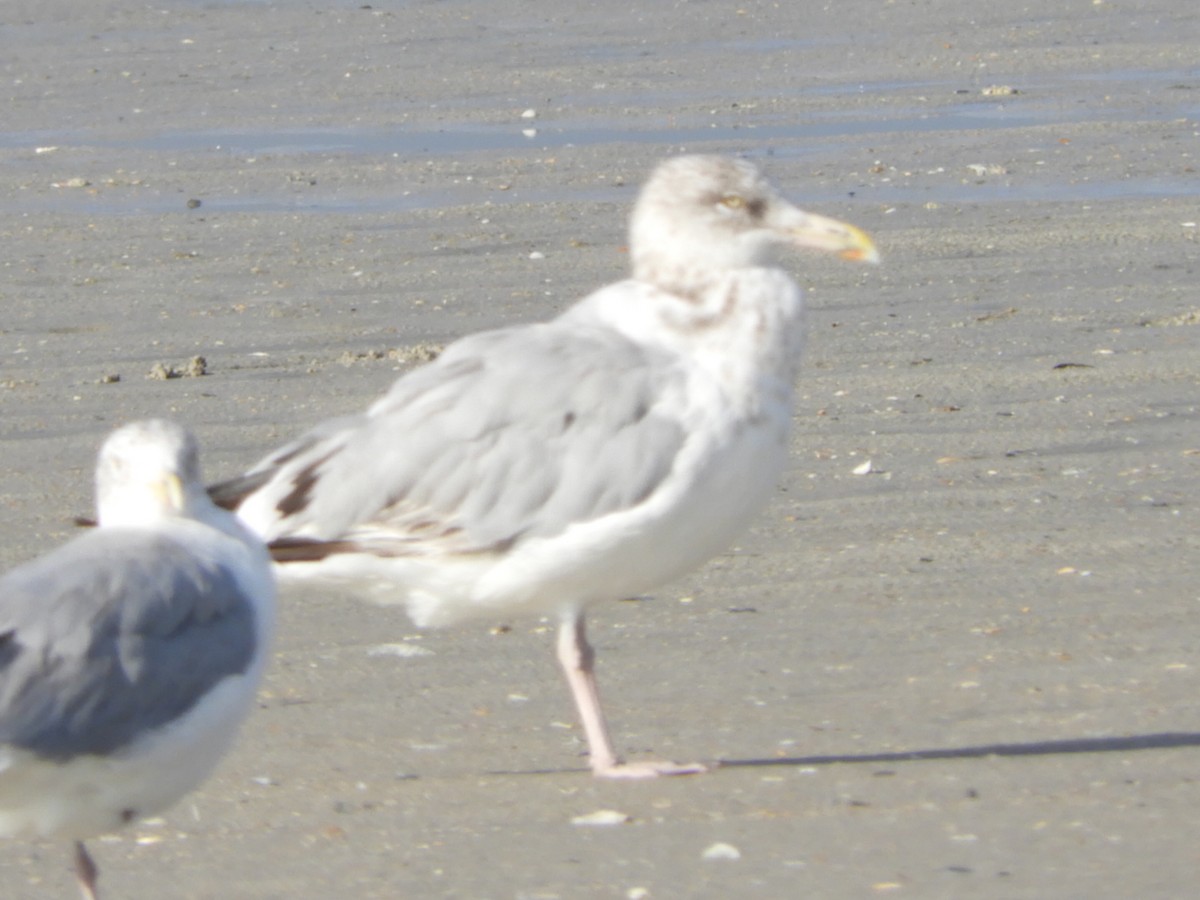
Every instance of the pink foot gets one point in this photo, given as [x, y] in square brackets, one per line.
[647, 769]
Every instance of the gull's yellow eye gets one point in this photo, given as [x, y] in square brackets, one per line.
[732, 201]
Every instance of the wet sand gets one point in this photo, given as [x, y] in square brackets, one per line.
[968, 670]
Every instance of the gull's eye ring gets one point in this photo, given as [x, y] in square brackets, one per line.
[732, 201]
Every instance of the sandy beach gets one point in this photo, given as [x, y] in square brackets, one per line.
[955, 657]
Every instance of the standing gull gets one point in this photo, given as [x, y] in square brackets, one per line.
[129, 656]
[540, 468]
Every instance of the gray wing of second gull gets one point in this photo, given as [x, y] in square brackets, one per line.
[508, 434]
[113, 635]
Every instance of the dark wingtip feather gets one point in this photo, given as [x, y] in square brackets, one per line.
[289, 550]
[230, 494]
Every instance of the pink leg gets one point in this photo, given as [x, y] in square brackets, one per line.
[576, 657]
[85, 872]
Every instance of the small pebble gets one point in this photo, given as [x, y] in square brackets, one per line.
[721, 850]
[402, 650]
[601, 817]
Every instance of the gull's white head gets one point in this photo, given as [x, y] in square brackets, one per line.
[699, 216]
[148, 471]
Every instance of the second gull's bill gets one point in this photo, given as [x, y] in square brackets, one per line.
[129, 656]
[541, 468]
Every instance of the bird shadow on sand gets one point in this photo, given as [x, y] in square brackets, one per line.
[1121, 744]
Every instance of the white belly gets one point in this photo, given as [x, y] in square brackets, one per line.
[90, 795]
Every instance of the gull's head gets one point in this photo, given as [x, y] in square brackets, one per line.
[699, 215]
[148, 471]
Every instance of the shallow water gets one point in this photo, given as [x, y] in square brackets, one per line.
[972, 115]
[826, 132]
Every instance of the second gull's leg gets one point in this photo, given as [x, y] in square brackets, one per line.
[577, 658]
